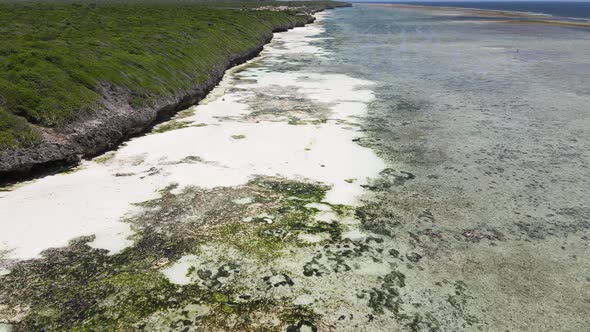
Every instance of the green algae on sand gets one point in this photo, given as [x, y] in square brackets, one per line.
[224, 258]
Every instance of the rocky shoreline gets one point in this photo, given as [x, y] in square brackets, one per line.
[114, 124]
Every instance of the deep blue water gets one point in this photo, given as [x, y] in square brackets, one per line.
[555, 8]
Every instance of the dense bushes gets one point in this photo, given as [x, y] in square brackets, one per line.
[53, 56]
[15, 131]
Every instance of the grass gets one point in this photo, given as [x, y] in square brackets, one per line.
[55, 56]
[16, 131]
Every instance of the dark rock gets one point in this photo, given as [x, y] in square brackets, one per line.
[414, 257]
[115, 123]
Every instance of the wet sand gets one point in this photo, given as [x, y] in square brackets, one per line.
[234, 137]
[240, 204]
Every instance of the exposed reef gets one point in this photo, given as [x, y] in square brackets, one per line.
[263, 256]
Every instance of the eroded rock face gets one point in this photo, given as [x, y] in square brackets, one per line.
[114, 123]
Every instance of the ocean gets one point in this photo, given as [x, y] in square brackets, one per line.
[563, 9]
[381, 169]
[485, 125]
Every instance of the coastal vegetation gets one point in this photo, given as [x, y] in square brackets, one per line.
[58, 60]
[15, 131]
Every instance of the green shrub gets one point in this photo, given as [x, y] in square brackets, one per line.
[15, 131]
[54, 55]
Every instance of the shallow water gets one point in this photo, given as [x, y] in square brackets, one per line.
[379, 170]
[493, 121]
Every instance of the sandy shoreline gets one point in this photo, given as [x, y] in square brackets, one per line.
[220, 210]
[233, 144]
[118, 121]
